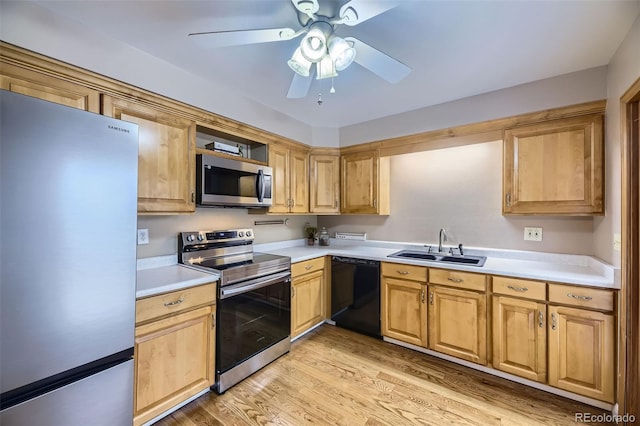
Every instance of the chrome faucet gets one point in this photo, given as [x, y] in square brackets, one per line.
[441, 237]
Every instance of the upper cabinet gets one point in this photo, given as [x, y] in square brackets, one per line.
[324, 185]
[364, 183]
[49, 88]
[290, 179]
[555, 167]
[166, 156]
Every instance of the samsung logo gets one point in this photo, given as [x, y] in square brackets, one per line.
[120, 129]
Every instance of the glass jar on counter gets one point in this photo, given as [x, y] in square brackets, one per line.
[323, 238]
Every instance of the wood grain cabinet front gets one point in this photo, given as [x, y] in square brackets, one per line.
[307, 295]
[324, 184]
[290, 180]
[404, 307]
[166, 156]
[174, 351]
[555, 167]
[364, 183]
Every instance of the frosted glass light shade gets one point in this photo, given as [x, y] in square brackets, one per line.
[341, 52]
[325, 68]
[299, 63]
[314, 45]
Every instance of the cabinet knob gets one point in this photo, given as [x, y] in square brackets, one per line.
[175, 302]
[431, 298]
[553, 322]
[540, 319]
[518, 289]
[455, 280]
[403, 272]
[579, 297]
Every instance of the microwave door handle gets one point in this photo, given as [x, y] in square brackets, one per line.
[260, 185]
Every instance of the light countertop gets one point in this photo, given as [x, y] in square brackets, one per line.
[163, 277]
[550, 267]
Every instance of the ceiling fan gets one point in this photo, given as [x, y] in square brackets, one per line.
[320, 46]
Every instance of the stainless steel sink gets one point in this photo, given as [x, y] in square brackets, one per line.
[423, 255]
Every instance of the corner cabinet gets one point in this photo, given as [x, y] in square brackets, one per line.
[166, 156]
[364, 183]
[290, 180]
[555, 167]
[324, 184]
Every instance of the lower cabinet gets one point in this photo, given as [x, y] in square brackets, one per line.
[307, 295]
[174, 354]
[520, 337]
[404, 308]
[458, 323]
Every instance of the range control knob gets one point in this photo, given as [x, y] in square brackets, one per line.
[240, 234]
[190, 237]
[200, 237]
[248, 233]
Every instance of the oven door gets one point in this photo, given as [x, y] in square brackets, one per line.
[227, 182]
[252, 316]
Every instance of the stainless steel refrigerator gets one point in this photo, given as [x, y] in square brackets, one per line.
[68, 249]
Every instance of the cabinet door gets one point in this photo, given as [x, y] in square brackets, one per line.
[30, 83]
[520, 337]
[166, 156]
[458, 323]
[174, 360]
[279, 162]
[404, 311]
[325, 184]
[307, 302]
[555, 167]
[359, 182]
[581, 352]
[299, 181]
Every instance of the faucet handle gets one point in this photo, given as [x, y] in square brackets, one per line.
[429, 248]
[460, 248]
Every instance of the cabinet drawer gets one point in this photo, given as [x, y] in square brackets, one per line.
[520, 288]
[458, 279]
[407, 272]
[176, 301]
[307, 266]
[581, 296]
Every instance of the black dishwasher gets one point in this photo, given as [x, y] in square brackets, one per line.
[355, 294]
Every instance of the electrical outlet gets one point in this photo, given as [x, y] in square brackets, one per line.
[617, 242]
[532, 234]
[143, 236]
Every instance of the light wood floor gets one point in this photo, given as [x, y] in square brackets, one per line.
[335, 377]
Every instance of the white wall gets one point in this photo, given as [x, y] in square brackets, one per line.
[623, 71]
[460, 189]
[568, 89]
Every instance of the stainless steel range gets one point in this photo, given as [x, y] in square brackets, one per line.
[254, 300]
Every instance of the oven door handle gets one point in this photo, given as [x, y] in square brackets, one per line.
[260, 185]
[254, 284]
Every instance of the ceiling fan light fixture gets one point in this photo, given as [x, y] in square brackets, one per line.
[341, 52]
[326, 68]
[299, 63]
[314, 44]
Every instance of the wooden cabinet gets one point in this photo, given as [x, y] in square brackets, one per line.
[458, 317]
[307, 295]
[364, 183]
[290, 180]
[324, 184]
[166, 156]
[30, 83]
[519, 327]
[555, 167]
[581, 343]
[174, 351]
[404, 307]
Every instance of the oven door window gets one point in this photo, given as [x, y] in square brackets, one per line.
[251, 322]
[234, 183]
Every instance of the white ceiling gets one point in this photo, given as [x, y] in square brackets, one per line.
[455, 48]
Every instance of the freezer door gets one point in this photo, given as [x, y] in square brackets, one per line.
[105, 399]
[68, 238]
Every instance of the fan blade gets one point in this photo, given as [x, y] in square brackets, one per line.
[233, 38]
[308, 7]
[379, 63]
[300, 85]
[357, 11]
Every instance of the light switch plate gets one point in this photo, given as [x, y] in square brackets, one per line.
[532, 234]
[143, 236]
[617, 242]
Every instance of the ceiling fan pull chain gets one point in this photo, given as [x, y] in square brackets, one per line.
[319, 99]
[332, 90]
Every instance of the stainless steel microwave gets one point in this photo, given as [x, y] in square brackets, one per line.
[225, 182]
